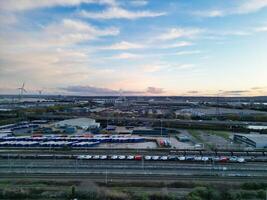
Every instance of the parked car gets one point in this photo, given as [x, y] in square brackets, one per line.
[114, 157]
[155, 157]
[122, 157]
[81, 157]
[233, 159]
[103, 157]
[164, 158]
[189, 158]
[181, 158]
[96, 157]
[130, 157]
[241, 160]
[223, 159]
[147, 157]
[216, 158]
[138, 157]
[172, 158]
[197, 158]
[205, 158]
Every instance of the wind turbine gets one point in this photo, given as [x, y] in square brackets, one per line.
[21, 90]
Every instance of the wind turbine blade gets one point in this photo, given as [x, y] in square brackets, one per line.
[24, 90]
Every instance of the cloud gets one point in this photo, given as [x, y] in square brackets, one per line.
[71, 31]
[261, 29]
[138, 2]
[210, 13]
[90, 90]
[14, 5]
[126, 56]
[193, 92]
[258, 88]
[250, 6]
[245, 7]
[123, 45]
[180, 53]
[234, 92]
[51, 55]
[165, 66]
[155, 90]
[234, 33]
[175, 33]
[184, 66]
[99, 91]
[120, 13]
[179, 44]
[154, 67]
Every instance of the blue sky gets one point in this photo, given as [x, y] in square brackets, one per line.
[139, 47]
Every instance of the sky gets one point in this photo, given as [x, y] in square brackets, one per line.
[134, 47]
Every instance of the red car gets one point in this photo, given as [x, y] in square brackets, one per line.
[138, 157]
[223, 159]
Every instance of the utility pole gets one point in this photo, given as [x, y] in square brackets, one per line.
[106, 179]
[161, 127]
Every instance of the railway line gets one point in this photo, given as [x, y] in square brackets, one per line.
[101, 177]
[158, 151]
[127, 167]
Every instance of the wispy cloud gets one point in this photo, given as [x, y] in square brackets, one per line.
[210, 13]
[261, 29]
[179, 44]
[92, 90]
[175, 33]
[250, 6]
[123, 45]
[115, 12]
[73, 31]
[125, 56]
[151, 68]
[23, 5]
[234, 92]
[244, 7]
[155, 90]
[138, 2]
[180, 53]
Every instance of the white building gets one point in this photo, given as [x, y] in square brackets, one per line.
[83, 123]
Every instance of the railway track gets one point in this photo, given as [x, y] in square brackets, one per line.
[130, 168]
[109, 151]
[101, 177]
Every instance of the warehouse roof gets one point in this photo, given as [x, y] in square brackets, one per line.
[260, 139]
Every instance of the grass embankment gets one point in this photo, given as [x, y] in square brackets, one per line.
[196, 135]
[86, 190]
[223, 134]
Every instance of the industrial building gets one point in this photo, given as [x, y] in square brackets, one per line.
[83, 123]
[253, 140]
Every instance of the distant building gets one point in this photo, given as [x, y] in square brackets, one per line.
[83, 123]
[253, 140]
